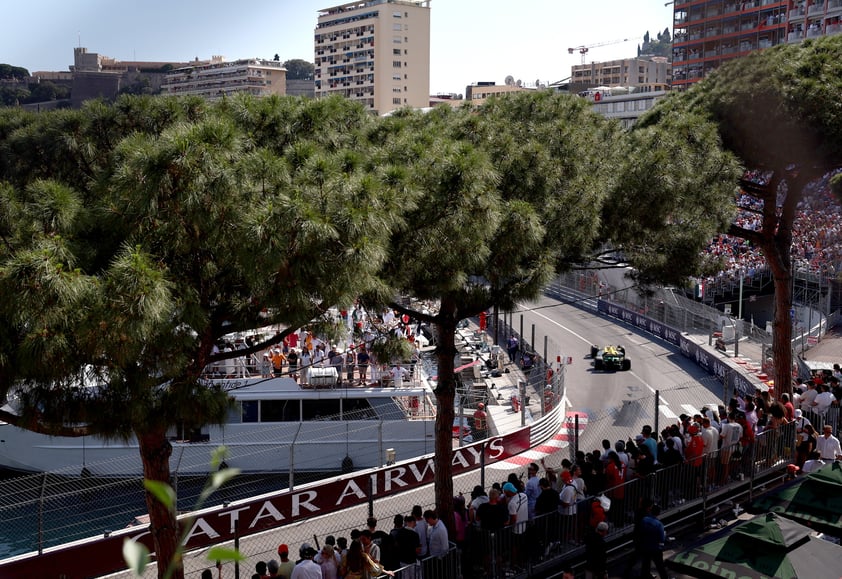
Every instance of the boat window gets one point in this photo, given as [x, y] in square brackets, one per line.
[358, 409]
[387, 409]
[320, 410]
[250, 410]
[279, 410]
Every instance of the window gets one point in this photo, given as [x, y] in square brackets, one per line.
[320, 409]
[279, 411]
[396, 64]
[250, 410]
[396, 101]
[396, 14]
[396, 40]
[396, 51]
[397, 27]
[396, 77]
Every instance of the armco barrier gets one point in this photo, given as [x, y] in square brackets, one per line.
[733, 380]
[103, 555]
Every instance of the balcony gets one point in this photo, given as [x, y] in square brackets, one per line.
[814, 32]
[834, 5]
[816, 9]
[795, 36]
[797, 13]
[833, 29]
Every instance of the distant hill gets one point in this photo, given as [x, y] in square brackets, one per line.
[662, 46]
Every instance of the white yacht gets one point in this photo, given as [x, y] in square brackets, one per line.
[276, 425]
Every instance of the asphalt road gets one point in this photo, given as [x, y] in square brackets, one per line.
[619, 403]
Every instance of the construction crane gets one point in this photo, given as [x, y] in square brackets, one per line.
[583, 49]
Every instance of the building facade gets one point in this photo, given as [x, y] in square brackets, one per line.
[710, 32]
[626, 106]
[478, 93]
[627, 72]
[376, 52]
[219, 78]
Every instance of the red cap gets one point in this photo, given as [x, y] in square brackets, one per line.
[283, 549]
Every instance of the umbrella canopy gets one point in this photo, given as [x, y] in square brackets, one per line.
[766, 546]
[815, 500]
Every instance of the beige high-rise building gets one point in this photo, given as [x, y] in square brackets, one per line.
[376, 52]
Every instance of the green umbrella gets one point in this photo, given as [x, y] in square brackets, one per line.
[766, 546]
[815, 500]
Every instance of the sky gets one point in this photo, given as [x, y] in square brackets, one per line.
[471, 40]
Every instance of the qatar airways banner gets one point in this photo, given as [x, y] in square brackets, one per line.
[710, 362]
[101, 556]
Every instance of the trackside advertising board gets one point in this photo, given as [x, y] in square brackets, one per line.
[710, 362]
[103, 555]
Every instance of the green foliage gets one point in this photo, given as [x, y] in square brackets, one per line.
[776, 107]
[8, 71]
[675, 191]
[298, 69]
[136, 554]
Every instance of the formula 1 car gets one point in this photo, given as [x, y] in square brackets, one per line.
[610, 358]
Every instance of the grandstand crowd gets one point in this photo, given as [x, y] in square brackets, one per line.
[817, 233]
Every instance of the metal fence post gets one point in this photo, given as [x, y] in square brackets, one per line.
[657, 410]
[41, 515]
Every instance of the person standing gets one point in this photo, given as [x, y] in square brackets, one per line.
[286, 566]
[546, 513]
[363, 359]
[827, 445]
[437, 539]
[532, 488]
[653, 537]
[408, 547]
[307, 568]
[596, 553]
[421, 529]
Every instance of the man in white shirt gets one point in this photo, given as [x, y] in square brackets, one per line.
[437, 538]
[809, 396]
[823, 400]
[307, 568]
[710, 436]
[730, 433]
[827, 445]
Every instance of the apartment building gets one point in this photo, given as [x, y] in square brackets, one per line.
[627, 72]
[376, 52]
[478, 93]
[710, 32]
[219, 78]
[624, 104]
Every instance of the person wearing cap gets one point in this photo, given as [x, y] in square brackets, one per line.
[306, 567]
[286, 566]
[517, 504]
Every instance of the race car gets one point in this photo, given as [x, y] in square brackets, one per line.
[610, 358]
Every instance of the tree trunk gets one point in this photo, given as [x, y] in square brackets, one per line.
[782, 331]
[445, 396]
[155, 451]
